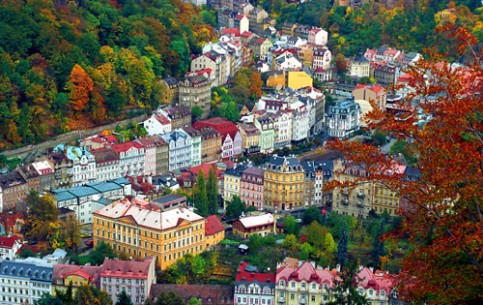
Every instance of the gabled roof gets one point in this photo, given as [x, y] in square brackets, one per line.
[256, 221]
[123, 147]
[213, 225]
[126, 269]
[223, 126]
[104, 154]
[246, 275]
[90, 273]
[306, 272]
[379, 280]
[8, 242]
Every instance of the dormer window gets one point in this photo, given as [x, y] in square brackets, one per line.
[281, 283]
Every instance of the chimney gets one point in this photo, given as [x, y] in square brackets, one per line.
[337, 267]
[372, 269]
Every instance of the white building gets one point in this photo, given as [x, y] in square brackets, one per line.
[318, 36]
[150, 157]
[179, 149]
[24, 280]
[283, 129]
[343, 119]
[157, 124]
[360, 67]
[9, 247]
[322, 58]
[300, 122]
[252, 287]
[107, 164]
[131, 158]
[134, 277]
[195, 144]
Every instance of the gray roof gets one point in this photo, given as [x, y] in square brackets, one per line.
[168, 198]
[31, 268]
[121, 181]
[237, 170]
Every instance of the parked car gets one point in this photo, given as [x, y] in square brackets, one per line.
[90, 243]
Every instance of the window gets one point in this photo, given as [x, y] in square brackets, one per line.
[312, 298]
[292, 296]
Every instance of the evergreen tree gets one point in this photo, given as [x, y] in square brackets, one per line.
[48, 299]
[378, 247]
[235, 207]
[123, 298]
[342, 248]
[212, 192]
[201, 199]
[345, 289]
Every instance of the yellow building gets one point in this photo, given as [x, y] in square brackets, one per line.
[359, 200]
[298, 79]
[140, 229]
[303, 283]
[284, 183]
[64, 275]
[211, 143]
[250, 137]
[215, 232]
[231, 182]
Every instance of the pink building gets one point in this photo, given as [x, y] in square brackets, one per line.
[251, 187]
[150, 155]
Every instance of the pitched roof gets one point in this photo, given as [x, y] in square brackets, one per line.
[103, 155]
[256, 221]
[90, 273]
[245, 274]
[306, 272]
[209, 294]
[146, 214]
[223, 126]
[8, 242]
[126, 269]
[123, 147]
[379, 280]
[213, 225]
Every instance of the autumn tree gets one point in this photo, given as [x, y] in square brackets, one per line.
[441, 216]
[42, 216]
[80, 86]
[256, 84]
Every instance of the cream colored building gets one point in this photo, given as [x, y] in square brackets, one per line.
[231, 182]
[359, 200]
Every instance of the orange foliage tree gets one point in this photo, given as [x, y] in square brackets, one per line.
[80, 86]
[441, 213]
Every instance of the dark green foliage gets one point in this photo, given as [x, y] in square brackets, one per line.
[212, 192]
[345, 290]
[378, 247]
[290, 225]
[196, 112]
[123, 299]
[169, 298]
[343, 248]
[200, 196]
[311, 214]
[401, 147]
[66, 297]
[48, 299]
[235, 207]
[89, 295]
[100, 252]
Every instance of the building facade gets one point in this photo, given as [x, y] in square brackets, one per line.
[12, 187]
[251, 187]
[139, 229]
[231, 182]
[253, 287]
[284, 184]
[267, 133]
[250, 137]
[343, 119]
[194, 91]
[211, 143]
[107, 164]
[131, 158]
[179, 149]
[196, 149]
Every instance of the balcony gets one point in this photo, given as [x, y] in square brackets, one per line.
[345, 191]
[360, 204]
[345, 201]
[302, 300]
[281, 299]
[361, 195]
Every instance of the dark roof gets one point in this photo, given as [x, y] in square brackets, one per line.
[169, 198]
[33, 269]
[11, 179]
[237, 170]
[276, 160]
[208, 294]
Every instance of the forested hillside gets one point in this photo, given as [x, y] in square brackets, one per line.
[71, 64]
[403, 24]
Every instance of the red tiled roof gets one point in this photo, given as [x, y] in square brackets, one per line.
[162, 119]
[90, 273]
[223, 126]
[232, 31]
[123, 147]
[8, 242]
[306, 272]
[195, 170]
[213, 225]
[253, 276]
[246, 34]
[126, 269]
[379, 280]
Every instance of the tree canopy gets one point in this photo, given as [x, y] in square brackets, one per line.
[441, 213]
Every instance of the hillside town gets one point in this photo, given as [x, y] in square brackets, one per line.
[202, 183]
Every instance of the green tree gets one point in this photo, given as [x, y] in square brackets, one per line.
[67, 296]
[201, 198]
[196, 112]
[329, 244]
[193, 301]
[315, 235]
[123, 298]
[290, 225]
[48, 299]
[345, 290]
[290, 242]
[235, 207]
[198, 267]
[305, 251]
[343, 248]
[101, 251]
[89, 295]
[212, 192]
[311, 214]
[378, 249]
[42, 216]
[169, 298]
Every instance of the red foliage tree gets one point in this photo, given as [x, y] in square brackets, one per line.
[80, 85]
[443, 221]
